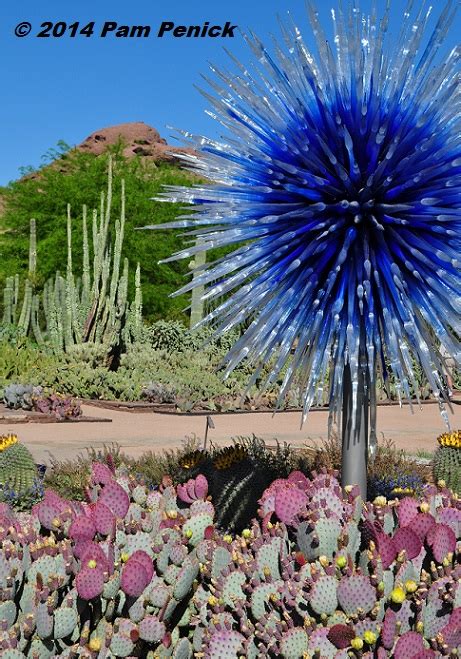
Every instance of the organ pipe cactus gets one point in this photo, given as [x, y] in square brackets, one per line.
[93, 308]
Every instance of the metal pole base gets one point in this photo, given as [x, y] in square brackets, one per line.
[354, 443]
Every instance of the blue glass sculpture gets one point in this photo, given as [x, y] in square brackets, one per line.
[340, 186]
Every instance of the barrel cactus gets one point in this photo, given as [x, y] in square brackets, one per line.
[18, 472]
[447, 460]
[237, 476]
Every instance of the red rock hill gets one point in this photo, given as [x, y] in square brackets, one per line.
[140, 139]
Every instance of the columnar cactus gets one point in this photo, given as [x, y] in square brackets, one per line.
[94, 310]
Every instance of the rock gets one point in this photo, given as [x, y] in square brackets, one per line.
[139, 139]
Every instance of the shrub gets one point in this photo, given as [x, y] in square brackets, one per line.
[392, 472]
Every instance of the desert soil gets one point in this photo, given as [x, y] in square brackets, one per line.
[140, 432]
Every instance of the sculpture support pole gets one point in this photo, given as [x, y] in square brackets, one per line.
[355, 444]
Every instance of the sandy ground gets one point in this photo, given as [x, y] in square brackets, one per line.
[139, 432]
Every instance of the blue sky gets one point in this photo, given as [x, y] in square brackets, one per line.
[64, 88]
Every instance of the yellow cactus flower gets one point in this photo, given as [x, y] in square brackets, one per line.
[7, 440]
[452, 439]
[341, 562]
[357, 643]
[398, 595]
[411, 586]
[95, 644]
[370, 637]
[380, 501]
[246, 533]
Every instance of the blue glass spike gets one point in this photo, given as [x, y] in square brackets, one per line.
[338, 188]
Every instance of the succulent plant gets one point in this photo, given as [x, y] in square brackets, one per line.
[59, 405]
[115, 572]
[139, 572]
[167, 335]
[447, 460]
[18, 472]
[20, 396]
[156, 392]
[237, 476]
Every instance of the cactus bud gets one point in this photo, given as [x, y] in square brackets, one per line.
[398, 595]
[411, 586]
[95, 644]
[370, 637]
[341, 562]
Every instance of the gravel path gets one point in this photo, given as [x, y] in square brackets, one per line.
[140, 432]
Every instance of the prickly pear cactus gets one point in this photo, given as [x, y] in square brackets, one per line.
[132, 572]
